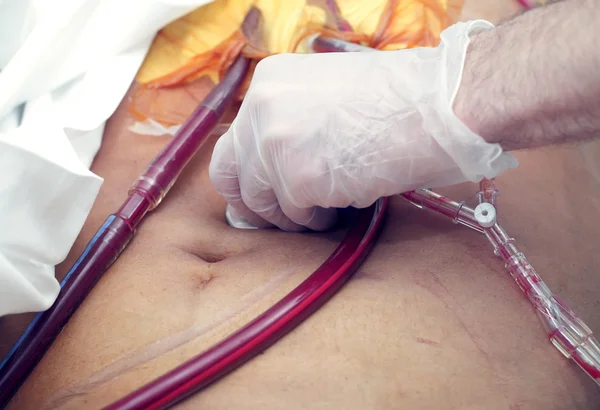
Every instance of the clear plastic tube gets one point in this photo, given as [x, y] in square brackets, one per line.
[488, 191]
[569, 334]
[458, 211]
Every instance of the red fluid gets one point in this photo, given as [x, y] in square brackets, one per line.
[145, 194]
[166, 166]
[269, 327]
[118, 230]
[114, 235]
[488, 190]
[525, 4]
[134, 209]
[591, 370]
[164, 169]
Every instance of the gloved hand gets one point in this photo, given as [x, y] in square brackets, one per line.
[323, 131]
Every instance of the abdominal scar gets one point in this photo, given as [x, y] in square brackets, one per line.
[146, 353]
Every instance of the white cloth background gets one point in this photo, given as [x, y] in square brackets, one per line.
[64, 67]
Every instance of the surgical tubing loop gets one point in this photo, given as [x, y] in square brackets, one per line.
[267, 328]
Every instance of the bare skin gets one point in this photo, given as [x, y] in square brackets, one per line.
[430, 321]
[533, 80]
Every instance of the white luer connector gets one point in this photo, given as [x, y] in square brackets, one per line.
[485, 214]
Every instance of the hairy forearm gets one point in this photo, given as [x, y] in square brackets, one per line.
[535, 80]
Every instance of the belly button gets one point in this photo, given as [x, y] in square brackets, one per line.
[204, 278]
[211, 257]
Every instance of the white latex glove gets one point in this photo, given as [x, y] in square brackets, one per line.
[323, 131]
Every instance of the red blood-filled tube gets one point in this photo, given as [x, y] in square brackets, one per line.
[114, 235]
[278, 320]
[266, 329]
[323, 44]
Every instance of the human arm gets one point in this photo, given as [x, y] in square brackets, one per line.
[427, 281]
[534, 80]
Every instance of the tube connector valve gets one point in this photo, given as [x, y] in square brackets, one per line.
[485, 214]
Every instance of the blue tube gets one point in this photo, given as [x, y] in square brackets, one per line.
[62, 283]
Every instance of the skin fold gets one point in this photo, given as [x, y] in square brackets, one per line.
[431, 319]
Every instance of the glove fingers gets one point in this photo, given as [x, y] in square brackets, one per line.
[224, 177]
[242, 211]
[236, 221]
[260, 198]
[315, 218]
[240, 178]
